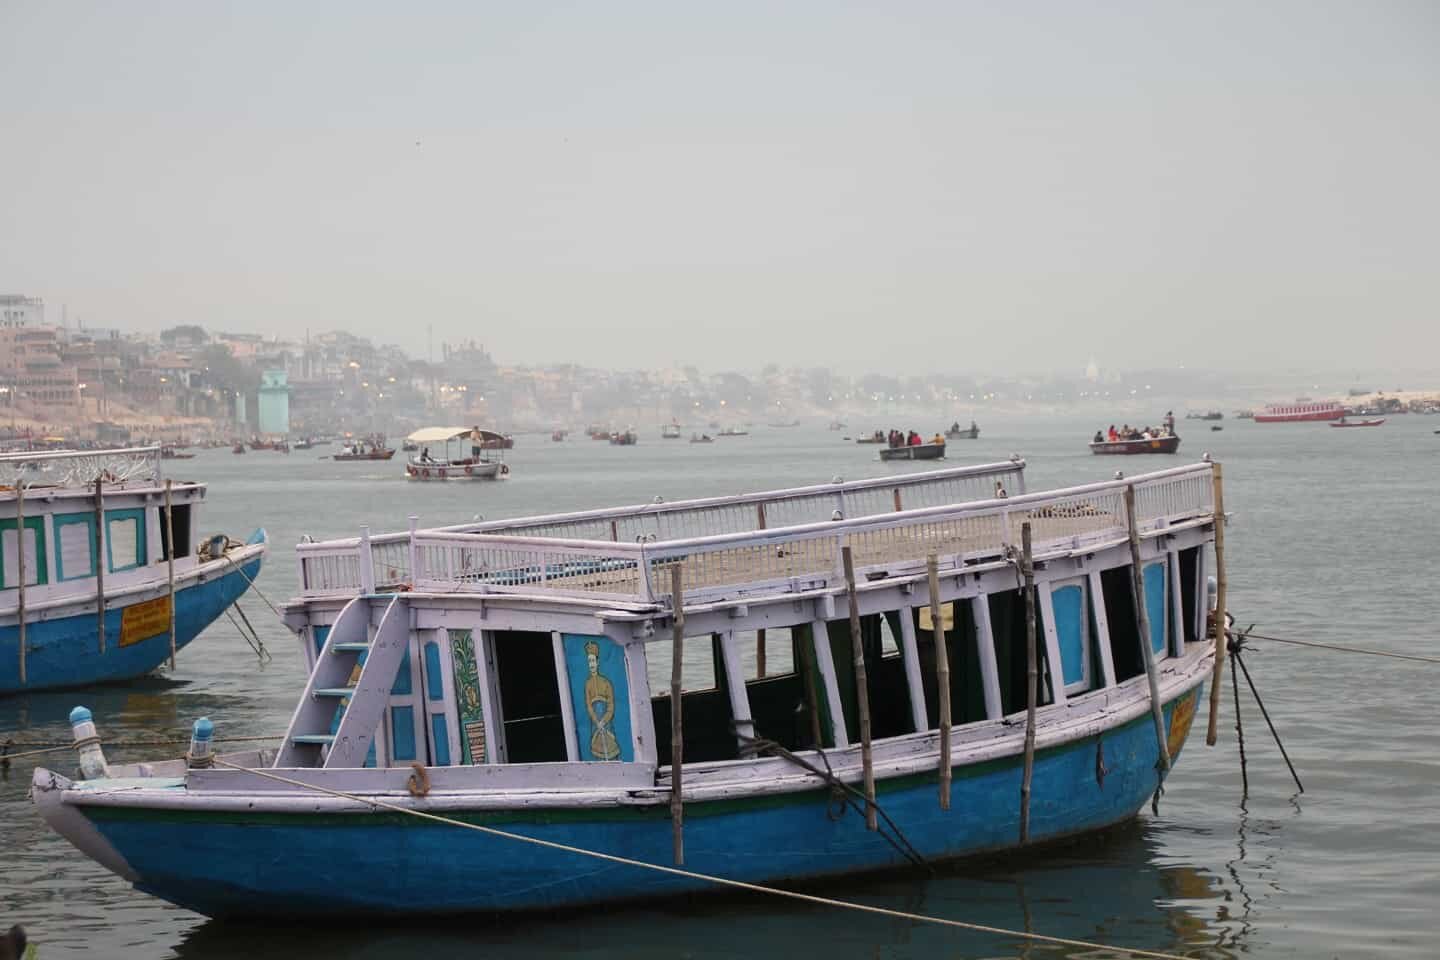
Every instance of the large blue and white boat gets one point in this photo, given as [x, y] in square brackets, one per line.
[512, 679]
[96, 550]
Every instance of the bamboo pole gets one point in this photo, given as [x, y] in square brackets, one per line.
[760, 654]
[677, 741]
[100, 560]
[1032, 678]
[1142, 620]
[20, 566]
[1211, 732]
[898, 508]
[862, 688]
[942, 676]
[170, 566]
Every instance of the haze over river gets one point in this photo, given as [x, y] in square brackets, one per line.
[1332, 539]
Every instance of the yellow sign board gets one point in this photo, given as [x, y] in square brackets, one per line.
[141, 621]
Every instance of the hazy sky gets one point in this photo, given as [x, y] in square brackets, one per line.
[970, 186]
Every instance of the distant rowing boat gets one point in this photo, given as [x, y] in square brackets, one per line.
[1342, 422]
[917, 451]
[1127, 447]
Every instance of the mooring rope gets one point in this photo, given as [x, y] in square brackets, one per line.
[56, 746]
[1340, 648]
[375, 802]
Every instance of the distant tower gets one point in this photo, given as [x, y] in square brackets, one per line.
[1092, 371]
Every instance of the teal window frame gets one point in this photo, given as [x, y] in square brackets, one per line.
[142, 551]
[42, 572]
[70, 520]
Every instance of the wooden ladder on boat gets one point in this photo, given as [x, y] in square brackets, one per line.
[352, 679]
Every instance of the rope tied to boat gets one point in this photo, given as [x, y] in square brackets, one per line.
[375, 803]
[840, 791]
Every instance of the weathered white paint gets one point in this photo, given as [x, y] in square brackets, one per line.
[828, 682]
[735, 686]
[985, 642]
[914, 683]
[567, 705]
[1102, 630]
[1054, 671]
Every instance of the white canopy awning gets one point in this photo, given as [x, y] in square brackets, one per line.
[446, 434]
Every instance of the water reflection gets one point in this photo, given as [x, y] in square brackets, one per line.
[1114, 887]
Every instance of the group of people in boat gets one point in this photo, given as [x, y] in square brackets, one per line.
[1127, 432]
[911, 439]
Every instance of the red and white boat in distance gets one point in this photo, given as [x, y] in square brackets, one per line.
[1298, 412]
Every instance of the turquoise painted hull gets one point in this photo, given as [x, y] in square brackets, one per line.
[235, 864]
[65, 652]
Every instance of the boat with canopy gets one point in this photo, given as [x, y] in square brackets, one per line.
[466, 453]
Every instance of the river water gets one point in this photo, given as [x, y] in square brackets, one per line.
[1333, 539]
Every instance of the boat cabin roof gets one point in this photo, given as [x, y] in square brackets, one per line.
[447, 434]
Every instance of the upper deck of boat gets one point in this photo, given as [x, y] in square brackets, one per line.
[124, 468]
[755, 545]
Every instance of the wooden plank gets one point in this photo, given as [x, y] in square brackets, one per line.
[20, 567]
[942, 677]
[914, 682]
[100, 560]
[1142, 619]
[735, 684]
[677, 720]
[760, 654]
[1211, 730]
[1055, 668]
[825, 661]
[862, 690]
[1102, 630]
[1032, 681]
[1177, 608]
[985, 643]
[170, 566]
[567, 706]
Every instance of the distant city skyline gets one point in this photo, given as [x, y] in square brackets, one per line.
[925, 186]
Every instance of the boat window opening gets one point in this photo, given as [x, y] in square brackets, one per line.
[533, 726]
[1007, 623]
[1156, 581]
[698, 670]
[35, 556]
[75, 545]
[1125, 653]
[1070, 602]
[779, 703]
[180, 521]
[779, 652]
[1190, 589]
[885, 679]
[125, 539]
[967, 692]
[709, 729]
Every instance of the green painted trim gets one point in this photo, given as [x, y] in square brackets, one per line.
[42, 572]
[70, 520]
[142, 553]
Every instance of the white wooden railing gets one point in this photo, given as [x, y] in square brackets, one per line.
[73, 468]
[753, 561]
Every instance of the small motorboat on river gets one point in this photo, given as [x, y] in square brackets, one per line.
[1344, 422]
[482, 463]
[957, 432]
[371, 448]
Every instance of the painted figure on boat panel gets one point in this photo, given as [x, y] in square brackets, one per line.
[602, 711]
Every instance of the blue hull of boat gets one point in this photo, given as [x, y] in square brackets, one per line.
[65, 652]
[232, 864]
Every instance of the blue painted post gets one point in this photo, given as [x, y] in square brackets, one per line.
[87, 745]
[200, 756]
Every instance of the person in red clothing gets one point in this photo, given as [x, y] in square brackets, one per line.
[1112, 436]
[915, 439]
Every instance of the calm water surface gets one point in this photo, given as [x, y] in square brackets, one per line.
[1333, 539]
